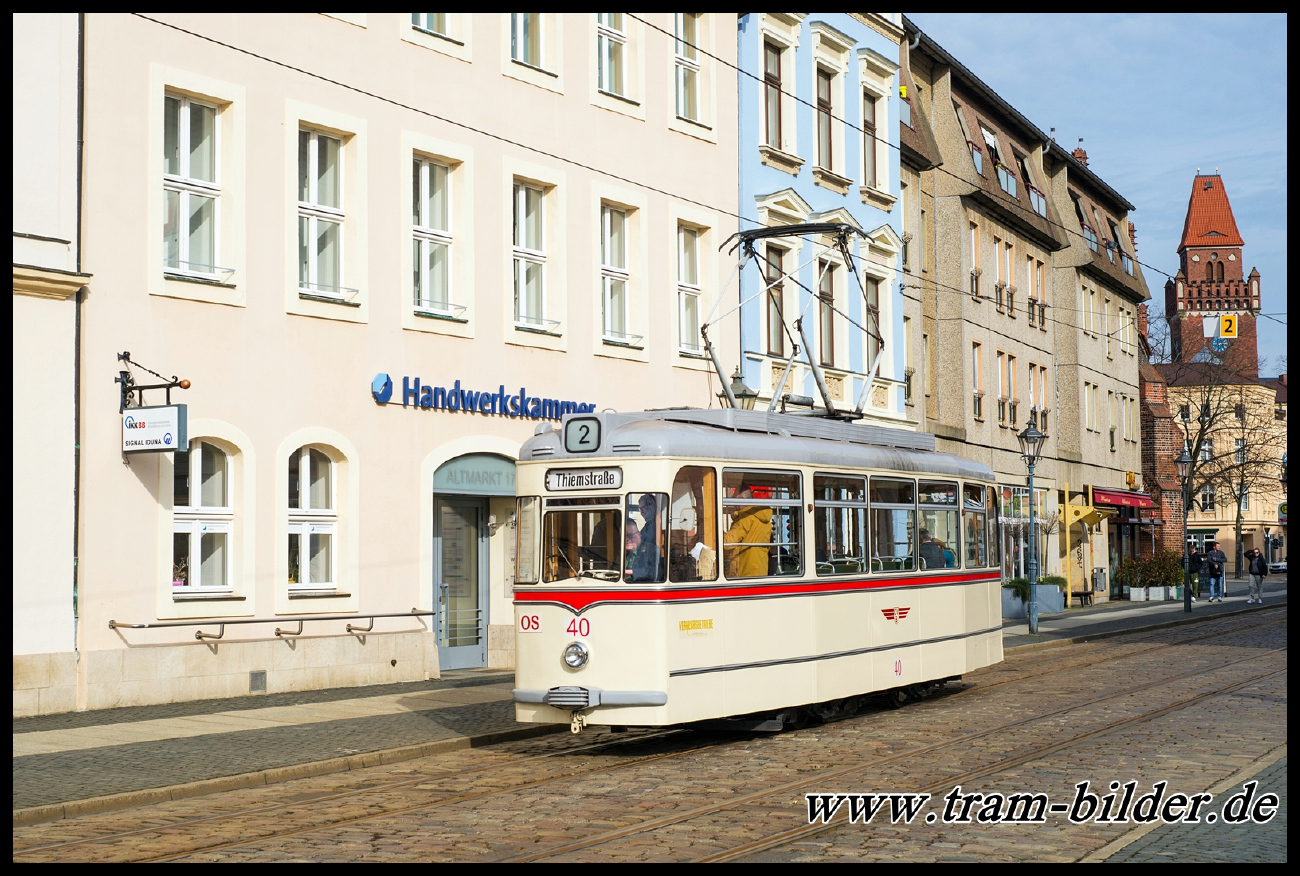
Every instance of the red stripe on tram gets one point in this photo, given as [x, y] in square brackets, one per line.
[581, 599]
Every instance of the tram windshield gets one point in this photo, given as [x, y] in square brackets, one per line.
[582, 538]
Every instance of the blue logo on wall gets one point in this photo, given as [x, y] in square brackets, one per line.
[455, 398]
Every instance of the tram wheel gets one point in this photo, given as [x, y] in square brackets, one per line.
[895, 698]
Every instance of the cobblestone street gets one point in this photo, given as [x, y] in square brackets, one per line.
[1201, 706]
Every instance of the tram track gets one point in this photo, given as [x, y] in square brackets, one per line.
[605, 745]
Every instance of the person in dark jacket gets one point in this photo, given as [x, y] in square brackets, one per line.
[1196, 567]
[1258, 572]
[1216, 565]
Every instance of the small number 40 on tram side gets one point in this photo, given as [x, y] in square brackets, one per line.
[687, 565]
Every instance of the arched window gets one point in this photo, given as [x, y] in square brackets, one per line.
[1219, 272]
[313, 520]
[203, 519]
[1209, 270]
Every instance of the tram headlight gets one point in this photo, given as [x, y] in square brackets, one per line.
[576, 655]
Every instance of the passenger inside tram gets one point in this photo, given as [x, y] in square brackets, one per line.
[693, 530]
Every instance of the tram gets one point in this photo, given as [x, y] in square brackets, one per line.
[679, 566]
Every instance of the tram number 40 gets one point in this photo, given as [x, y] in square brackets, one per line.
[898, 668]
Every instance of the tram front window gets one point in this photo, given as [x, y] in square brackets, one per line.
[582, 541]
[764, 511]
[840, 516]
[643, 538]
[893, 522]
[940, 530]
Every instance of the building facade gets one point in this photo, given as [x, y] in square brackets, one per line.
[818, 103]
[1017, 291]
[376, 290]
[1232, 421]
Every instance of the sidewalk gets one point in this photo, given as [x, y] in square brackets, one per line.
[83, 762]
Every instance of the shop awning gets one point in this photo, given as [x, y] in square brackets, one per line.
[1122, 498]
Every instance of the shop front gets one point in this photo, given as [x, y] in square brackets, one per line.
[1128, 526]
[1013, 520]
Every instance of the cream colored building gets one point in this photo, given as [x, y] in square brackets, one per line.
[383, 248]
[999, 275]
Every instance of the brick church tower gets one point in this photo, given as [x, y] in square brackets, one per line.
[1211, 282]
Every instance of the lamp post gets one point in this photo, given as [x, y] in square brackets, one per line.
[743, 395]
[1183, 465]
[1031, 449]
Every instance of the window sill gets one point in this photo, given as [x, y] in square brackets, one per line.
[202, 281]
[773, 157]
[623, 345]
[628, 100]
[699, 356]
[537, 331]
[200, 597]
[424, 314]
[829, 179]
[307, 296]
[316, 594]
[877, 198]
[694, 122]
[434, 33]
[528, 66]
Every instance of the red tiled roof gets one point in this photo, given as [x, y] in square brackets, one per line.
[1209, 215]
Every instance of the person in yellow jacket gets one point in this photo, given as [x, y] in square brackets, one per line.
[747, 543]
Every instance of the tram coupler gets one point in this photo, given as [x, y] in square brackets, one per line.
[577, 722]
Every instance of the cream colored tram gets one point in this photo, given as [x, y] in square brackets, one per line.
[679, 566]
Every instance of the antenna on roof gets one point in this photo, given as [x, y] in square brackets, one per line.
[1053, 135]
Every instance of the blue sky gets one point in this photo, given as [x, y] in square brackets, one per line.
[1154, 97]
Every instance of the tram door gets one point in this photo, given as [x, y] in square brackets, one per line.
[460, 581]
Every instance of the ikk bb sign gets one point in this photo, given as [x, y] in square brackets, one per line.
[154, 430]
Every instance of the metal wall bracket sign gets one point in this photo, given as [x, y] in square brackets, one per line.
[154, 430]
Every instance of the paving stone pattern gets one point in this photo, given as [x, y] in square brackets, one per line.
[691, 795]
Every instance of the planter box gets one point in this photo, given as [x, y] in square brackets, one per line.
[1156, 594]
[1050, 601]
[1176, 592]
[1137, 594]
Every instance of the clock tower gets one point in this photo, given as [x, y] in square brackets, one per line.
[1211, 283]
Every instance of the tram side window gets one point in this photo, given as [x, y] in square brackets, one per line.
[975, 519]
[763, 513]
[526, 540]
[693, 525]
[840, 524]
[643, 538]
[893, 524]
[581, 542]
[940, 526]
[991, 515]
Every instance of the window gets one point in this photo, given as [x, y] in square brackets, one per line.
[977, 382]
[975, 516]
[775, 301]
[613, 273]
[869, 140]
[693, 525]
[1239, 453]
[320, 215]
[893, 525]
[1239, 412]
[975, 261]
[1106, 327]
[202, 520]
[840, 523]
[1207, 450]
[529, 258]
[1042, 399]
[687, 58]
[1110, 418]
[825, 112]
[526, 38]
[772, 95]
[313, 520]
[871, 286]
[430, 22]
[1207, 497]
[764, 515]
[920, 241]
[940, 545]
[582, 537]
[191, 188]
[610, 41]
[826, 312]
[431, 229]
[688, 288]
[644, 538]
[907, 233]
[976, 155]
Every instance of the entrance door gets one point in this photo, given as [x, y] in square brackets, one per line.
[460, 581]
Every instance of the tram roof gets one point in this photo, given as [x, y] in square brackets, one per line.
[748, 436]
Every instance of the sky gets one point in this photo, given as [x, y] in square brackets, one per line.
[1155, 97]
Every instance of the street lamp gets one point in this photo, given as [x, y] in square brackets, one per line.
[1183, 465]
[743, 395]
[1031, 450]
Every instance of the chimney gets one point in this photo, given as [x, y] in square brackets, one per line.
[1080, 154]
[1133, 235]
[1142, 320]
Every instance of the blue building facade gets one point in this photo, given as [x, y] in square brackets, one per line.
[819, 111]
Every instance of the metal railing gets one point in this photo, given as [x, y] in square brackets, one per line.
[279, 632]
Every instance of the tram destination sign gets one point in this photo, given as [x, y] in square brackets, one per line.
[584, 479]
[154, 430]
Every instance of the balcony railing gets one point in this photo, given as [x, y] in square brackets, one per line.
[999, 292]
[977, 405]
[1031, 307]
[975, 284]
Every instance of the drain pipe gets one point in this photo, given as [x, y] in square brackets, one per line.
[76, 346]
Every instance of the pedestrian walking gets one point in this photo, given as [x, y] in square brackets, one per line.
[1216, 564]
[1258, 572]
[1196, 567]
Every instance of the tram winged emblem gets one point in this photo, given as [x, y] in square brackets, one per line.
[895, 614]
